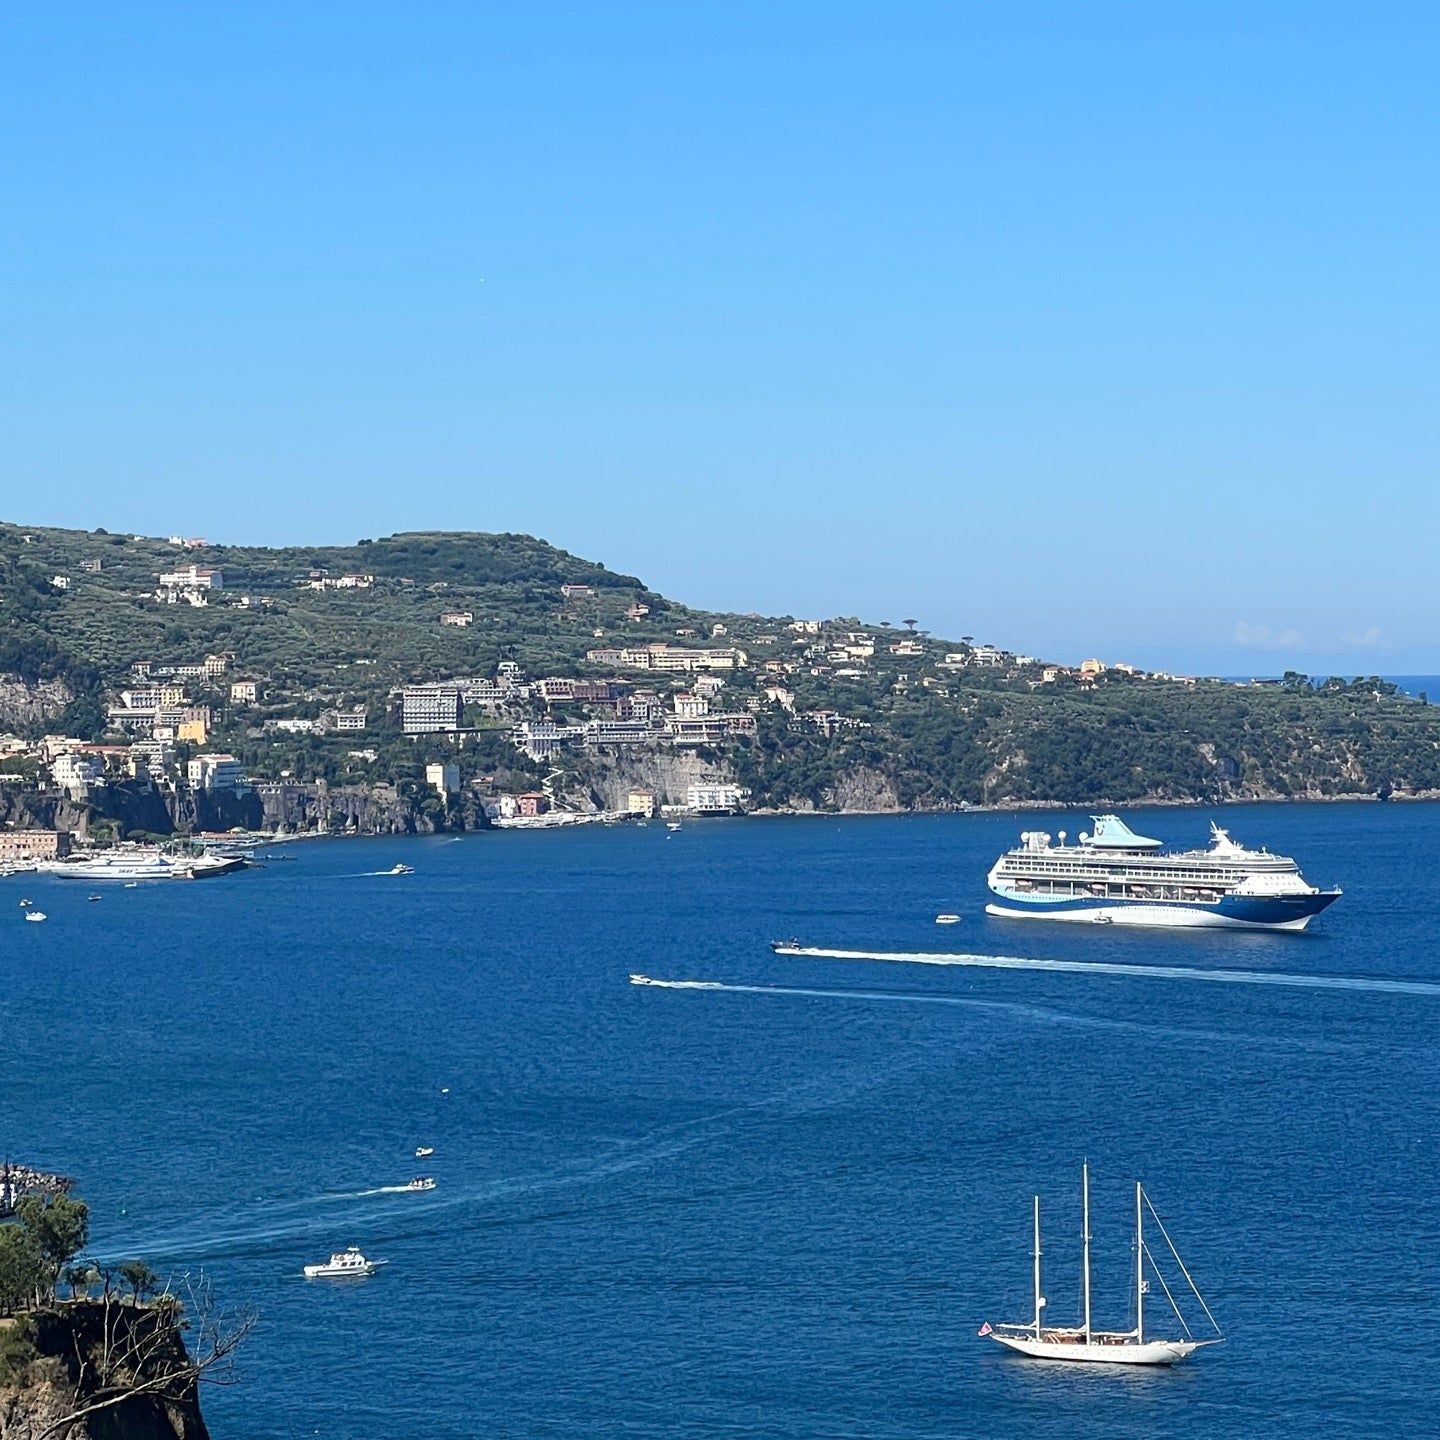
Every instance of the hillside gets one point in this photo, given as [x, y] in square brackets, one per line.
[835, 714]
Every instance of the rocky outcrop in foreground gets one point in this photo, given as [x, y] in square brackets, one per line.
[121, 1370]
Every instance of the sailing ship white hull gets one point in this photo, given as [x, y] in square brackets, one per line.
[1152, 1352]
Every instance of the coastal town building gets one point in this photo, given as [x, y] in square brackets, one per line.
[76, 773]
[640, 801]
[152, 758]
[217, 772]
[576, 592]
[458, 618]
[531, 804]
[192, 577]
[715, 798]
[443, 777]
[670, 659]
[244, 692]
[33, 845]
[350, 719]
[430, 709]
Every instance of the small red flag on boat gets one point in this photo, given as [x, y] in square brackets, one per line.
[986, 1328]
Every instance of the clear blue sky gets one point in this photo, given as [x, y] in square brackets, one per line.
[1084, 328]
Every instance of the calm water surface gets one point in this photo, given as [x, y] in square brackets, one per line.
[774, 1212]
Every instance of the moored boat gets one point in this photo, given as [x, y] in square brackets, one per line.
[1113, 875]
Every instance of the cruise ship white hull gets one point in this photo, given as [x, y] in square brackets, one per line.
[1152, 1352]
[1166, 917]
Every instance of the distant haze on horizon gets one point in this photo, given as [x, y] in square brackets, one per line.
[1102, 330]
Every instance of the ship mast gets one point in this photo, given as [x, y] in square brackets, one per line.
[1139, 1269]
[1039, 1298]
[1085, 1242]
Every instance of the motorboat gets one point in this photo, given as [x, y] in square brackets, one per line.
[35, 916]
[399, 870]
[346, 1264]
[947, 919]
[421, 1182]
[25, 903]
[92, 898]
[1084, 1342]
[423, 1152]
[672, 824]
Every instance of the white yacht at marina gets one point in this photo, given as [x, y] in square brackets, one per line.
[1084, 1342]
[1113, 875]
[132, 865]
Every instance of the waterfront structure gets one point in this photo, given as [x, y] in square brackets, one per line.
[640, 801]
[16, 845]
[75, 773]
[217, 772]
[531, 804]
[444, 777]
[715, 798]
[1113, 875]
[430, 709]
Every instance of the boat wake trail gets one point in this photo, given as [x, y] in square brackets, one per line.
[1145, 972]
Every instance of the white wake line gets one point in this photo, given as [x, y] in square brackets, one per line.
[1149, 972]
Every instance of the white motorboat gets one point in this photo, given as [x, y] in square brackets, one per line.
[423, 1152]
[1083, 1342]
[347, 1264]
[399, 870]
[35, 916]
[421, 1182]
[672, 824]
[947, 919]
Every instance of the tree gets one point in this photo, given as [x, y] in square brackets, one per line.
[22, 1271]
[57, 1228]
[139, 1277]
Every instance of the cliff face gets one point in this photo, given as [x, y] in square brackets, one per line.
[51, 1366]
[24, 702]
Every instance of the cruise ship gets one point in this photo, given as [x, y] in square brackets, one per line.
[1114, 876]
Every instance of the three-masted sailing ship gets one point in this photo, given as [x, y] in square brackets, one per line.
[1084, 1342]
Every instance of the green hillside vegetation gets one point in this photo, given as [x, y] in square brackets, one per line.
[923, 737]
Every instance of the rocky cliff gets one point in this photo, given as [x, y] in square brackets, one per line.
[79, 1355]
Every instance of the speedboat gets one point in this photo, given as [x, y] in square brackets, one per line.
[343, 1265]
[423, 1152]
[35, 915]
[947, 919]
[92, 898]
[399, 870]
[421, 1182]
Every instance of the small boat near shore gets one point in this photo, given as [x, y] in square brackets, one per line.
[348, 1264]
[1084, 1343]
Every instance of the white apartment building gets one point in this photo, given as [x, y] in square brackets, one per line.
[430, 709]
[217, 772]
[715, 798]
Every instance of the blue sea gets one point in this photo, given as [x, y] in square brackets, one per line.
[777, 1209]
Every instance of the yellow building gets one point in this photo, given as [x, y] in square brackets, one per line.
[640, 802]
[195, 730]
